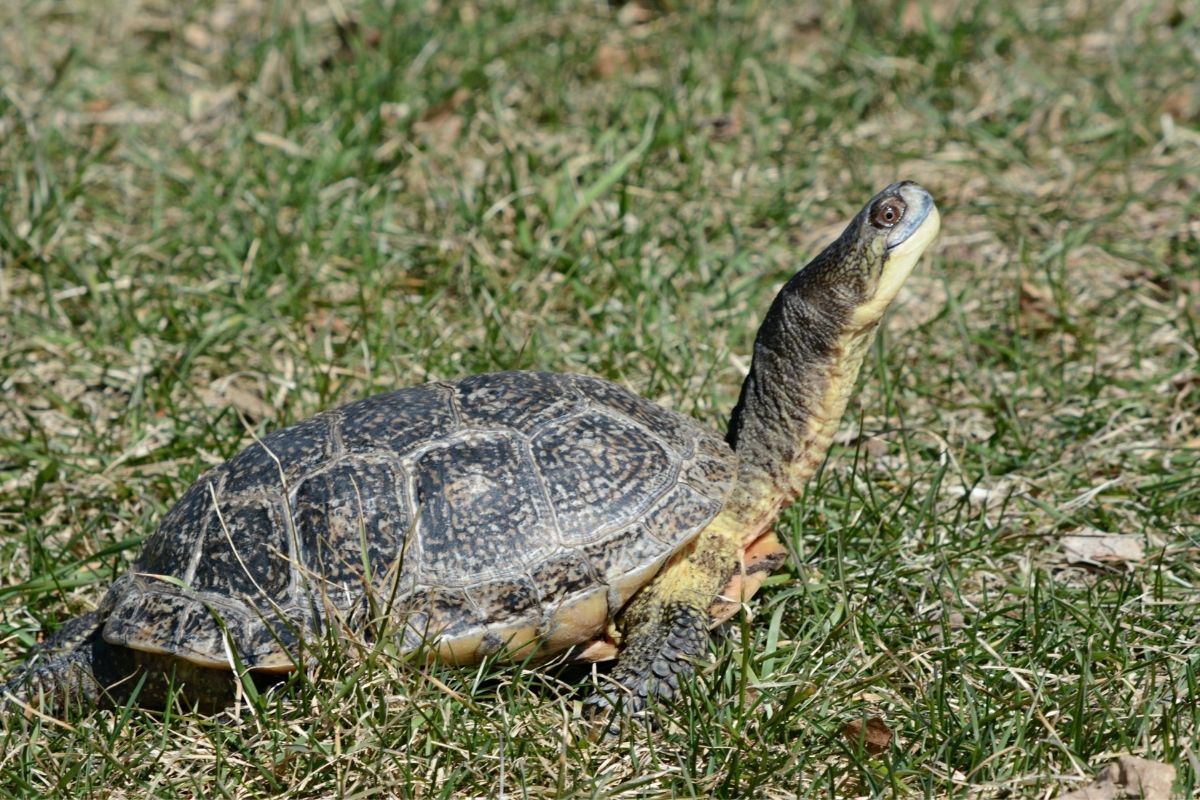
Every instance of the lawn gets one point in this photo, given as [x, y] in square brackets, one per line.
[220, 217]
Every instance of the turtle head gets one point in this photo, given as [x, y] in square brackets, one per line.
[870, 261]
[812, 344]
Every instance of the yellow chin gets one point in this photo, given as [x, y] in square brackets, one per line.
[900, 262]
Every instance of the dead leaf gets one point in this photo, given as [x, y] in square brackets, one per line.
[348, 29]
[610, 59]
[1037, 305]
[807, 23]
[724, 126]
[197, 36]
[979, 495]
[1181, 105]
[1128, 776]
[440, 124]
[873, 733]
[875, 448]
[634, 13]
[1097, 547]
[206, 103]
[272, 140]
[912, 18]
[224, 392]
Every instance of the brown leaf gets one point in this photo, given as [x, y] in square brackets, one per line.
[225, 393]
[634, 13]
[1128, 776]
[610, 59]
[875, 448]
[208, 103]
[1182, 105]
[724, 126]
[912, 18]
[1037, 304]
[197, 36]
[440, 131]
[267, 139]
[440, 124]
[873, 733]
[1141, 777]
[1097, 547]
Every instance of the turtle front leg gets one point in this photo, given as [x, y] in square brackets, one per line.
[60, 672]
[665, 627]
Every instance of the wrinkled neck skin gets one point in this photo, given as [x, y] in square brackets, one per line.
[806, 361]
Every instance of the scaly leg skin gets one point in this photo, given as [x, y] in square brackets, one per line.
[59, 672]
[666, 626]
[76, 668]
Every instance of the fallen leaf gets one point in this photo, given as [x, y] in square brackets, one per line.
[225, 393]
[440, 124]
[978, 495]
[272, 140]
[635, 13]
[1181, 105]
[1037, 304]
[196, 36]
[912, 17]
[872, 733]
[1093, 791]
[807, 23]
[875, 448]
[1097, 547]
[610, 59]
[348, 29]
[206, 103]
[955, 620]
[723, 126]
[1128, 776]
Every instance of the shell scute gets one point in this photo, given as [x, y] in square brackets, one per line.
[397, 421]
[562, 575]
[682, 512]
[245, 553]
[480, 512]
[624, 553]
[677, 431]
[710, 477]
[280, 459]
[505, 600]
[518, 400]
[353, 505]
[600, 473]
[180, 531]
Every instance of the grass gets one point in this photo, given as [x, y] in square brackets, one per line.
[220, 217]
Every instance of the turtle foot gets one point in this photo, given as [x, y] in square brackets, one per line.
[54, 685]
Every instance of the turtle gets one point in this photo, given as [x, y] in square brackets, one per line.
[521, 514]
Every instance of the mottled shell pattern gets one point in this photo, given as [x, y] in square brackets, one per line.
[516, 511]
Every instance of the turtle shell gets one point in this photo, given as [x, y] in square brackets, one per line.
[515, 511]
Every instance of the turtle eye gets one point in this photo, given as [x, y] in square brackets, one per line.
[887, 212]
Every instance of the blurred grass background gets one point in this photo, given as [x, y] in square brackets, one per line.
[230, 214]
